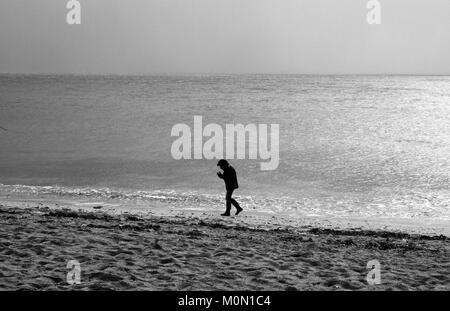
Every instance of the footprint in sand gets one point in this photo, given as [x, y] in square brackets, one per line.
[104, 276]
[165, 261]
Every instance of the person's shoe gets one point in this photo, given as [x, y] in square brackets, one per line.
[240, 209]
[225, 214]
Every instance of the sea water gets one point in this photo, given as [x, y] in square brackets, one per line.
[349, 146]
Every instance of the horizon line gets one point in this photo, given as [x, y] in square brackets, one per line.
[213, 74]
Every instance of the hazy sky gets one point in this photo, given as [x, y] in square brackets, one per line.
[225, 36]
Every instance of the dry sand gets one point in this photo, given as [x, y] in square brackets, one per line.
[129, 252]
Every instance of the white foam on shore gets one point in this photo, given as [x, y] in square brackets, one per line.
[171, 203]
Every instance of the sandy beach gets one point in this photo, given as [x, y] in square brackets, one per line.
[225, 146]
[130, 252]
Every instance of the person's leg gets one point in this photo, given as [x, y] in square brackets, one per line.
[236, 204]
[228, 202]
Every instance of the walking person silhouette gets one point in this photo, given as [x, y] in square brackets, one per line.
[231, 183]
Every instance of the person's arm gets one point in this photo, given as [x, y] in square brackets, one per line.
[220, 175]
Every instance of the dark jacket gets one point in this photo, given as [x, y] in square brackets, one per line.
[230, 178]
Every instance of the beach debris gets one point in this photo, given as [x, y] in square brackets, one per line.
[132, 218]
[97, 207]
[194, 234]
[348, 242]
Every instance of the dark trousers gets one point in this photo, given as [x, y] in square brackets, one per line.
[230, 201]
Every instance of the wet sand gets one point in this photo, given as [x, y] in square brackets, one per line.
[131, 252]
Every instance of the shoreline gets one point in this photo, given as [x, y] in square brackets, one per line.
[114, 203]
[134, 252]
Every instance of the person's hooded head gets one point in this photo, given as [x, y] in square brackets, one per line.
[223, 164]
